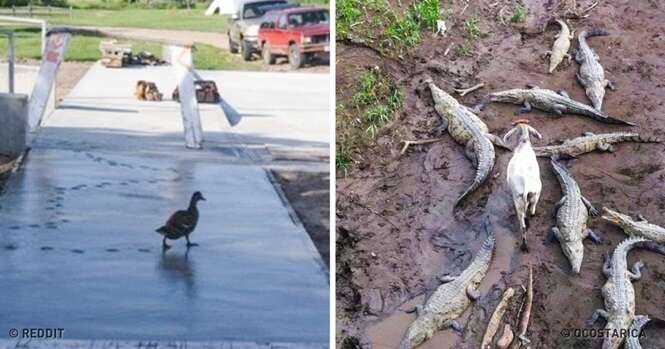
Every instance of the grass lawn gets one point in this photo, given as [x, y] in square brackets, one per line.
[175, 19]
[86, 49]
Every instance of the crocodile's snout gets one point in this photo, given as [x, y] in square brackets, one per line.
[611, 216]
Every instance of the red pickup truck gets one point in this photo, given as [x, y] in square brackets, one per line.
[300, 33]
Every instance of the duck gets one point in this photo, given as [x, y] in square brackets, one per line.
[182, 222]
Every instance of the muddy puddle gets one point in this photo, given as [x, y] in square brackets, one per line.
[397, 230]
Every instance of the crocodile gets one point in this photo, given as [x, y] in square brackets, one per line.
[572, 215]
[638, 228]
[466, 128]
[618, 292]
[591, 74]
[451, 299]
[590, 142]
[560, 47]
[553, 102]
[633, 340]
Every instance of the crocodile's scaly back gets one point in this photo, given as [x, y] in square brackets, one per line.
[590, 142]
[571, 218]
[636, 228]
[560, 46]
[466, 129]
[450, 300]
[633, 340]
[591, 74]
[553, 102]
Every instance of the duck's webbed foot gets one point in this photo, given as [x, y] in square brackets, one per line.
[165, 246]
[189, 243]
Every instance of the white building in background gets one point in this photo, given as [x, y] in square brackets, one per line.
[222, 7]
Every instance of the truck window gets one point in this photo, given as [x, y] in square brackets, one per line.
[258, 9]
[308, 18]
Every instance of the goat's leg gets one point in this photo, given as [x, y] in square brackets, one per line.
[533, 202]
[521, 209]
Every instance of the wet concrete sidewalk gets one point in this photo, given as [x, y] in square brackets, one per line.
[78, 249]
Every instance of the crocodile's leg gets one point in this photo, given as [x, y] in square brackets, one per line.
[473, 293]
[579, 79]
[589, 206]
[636, 273]
[570, 58]
[558, 109]
[445, 278]
[593, 236]
[604, 146]
[553, 235]
[470, 153]
[558, 204]
[610, 85]
[607, 266]
[476, 109]
[418, 309]
[642, 218]
[596, 315]
[496, 140]
[563, 93]
[443, 127]
[526, 108]
[456, 326]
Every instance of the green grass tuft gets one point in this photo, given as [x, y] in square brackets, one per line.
[378, 99]
[471, 28]
[427, 13]
[519, 15]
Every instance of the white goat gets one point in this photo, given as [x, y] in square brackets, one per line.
[524, 175]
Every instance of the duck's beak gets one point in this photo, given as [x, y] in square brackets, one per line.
[202, 198]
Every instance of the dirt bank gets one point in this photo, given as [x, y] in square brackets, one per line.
[309, 195]
[396, 228]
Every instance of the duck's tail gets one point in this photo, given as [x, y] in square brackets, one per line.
[161, 230]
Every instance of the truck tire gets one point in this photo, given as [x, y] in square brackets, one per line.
[233, 48]
[246, 50]
[268, 57]
[296, 57]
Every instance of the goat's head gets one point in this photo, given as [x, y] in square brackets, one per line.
[522, 125]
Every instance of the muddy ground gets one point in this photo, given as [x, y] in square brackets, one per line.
[396, 229]
[309, 195]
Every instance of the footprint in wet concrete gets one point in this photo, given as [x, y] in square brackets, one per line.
[144, 250]
[65, 220]
[47, 248]
[11, 247]
[112, 250]
[124, 183]
[112, 163]
[78, 251]
[78, 187]
[15, 227]
[51, 201]
[50, 208]
[152, 181]
[133, 181]
[34, 226]
[58, 205]
[51, 225]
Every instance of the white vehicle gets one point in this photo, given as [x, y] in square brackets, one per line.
[244, 25]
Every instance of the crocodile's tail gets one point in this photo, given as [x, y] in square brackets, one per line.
[644, 139]
[610, 120]
[481, 176]
[596, 32]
